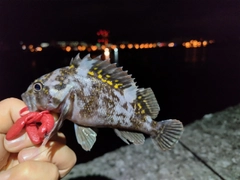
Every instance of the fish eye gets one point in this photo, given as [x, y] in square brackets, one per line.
[37, 86]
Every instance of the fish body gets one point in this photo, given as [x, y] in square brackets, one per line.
[93, 93]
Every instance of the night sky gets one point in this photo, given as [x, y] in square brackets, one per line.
[148, 20]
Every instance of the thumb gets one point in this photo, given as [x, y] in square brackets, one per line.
[18, 143]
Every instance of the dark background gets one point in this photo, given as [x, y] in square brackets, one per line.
[135, 20]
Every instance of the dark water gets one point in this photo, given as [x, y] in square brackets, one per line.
[188, 83]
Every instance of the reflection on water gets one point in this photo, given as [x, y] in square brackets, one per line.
[194, 55]
[115, 52]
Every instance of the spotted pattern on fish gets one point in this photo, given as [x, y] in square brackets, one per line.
[94, 93]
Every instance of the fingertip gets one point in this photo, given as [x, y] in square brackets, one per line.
[18, 143]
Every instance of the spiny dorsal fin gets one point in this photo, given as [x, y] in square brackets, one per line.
[110, 74]
[147, 103]
[75, 61]
[106, 72]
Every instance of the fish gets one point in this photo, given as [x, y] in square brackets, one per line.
[94, 93]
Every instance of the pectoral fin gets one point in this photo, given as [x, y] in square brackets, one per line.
[86, 137]
[133, 137]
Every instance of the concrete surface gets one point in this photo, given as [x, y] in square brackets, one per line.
[209, 150]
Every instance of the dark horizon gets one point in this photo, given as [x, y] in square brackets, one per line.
[126, 20]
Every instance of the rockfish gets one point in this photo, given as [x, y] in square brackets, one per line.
[92, 94]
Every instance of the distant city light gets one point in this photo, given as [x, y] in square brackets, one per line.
[161, 44]
[94, 48]
[194, 44]
[145, 45]
[68, 48]
[30, 46]
[187, 44]
[81, 48]
[204, 43]
[113, 46]
[103, 47]
[44, 44]
[171, 44]
[122, 46]
[106, 53]
[24, 47]
[38, 49]
[136, 46]
[130, 46]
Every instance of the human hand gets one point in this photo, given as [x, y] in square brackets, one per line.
[20, 159]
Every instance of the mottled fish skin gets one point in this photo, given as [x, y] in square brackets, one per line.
[95, 93]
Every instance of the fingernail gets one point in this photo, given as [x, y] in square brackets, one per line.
[15, 143]
[4, 175]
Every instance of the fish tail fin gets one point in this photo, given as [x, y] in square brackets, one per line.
[168, 133]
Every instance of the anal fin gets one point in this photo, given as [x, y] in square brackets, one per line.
[86, 137]
[133, 137]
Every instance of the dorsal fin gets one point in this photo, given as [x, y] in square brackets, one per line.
[111, 74]
[146, 103]
[76, 61]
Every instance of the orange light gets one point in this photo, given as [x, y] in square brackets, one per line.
[68, 48]
[30, 46]
[103, 47]
[94, 48]
[81, 48]
[204, 43]
[130, 46]
[122, 46]
[154, 45]
[38, 49]
[194, 43]
[136, 46]
[171, 44]
[187, 45]
[141, 46]
[113, 46]
[199, 44]
[146, 45]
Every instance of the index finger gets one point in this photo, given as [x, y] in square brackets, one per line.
[9, 113]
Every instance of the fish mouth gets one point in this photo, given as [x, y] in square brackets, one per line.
[29, 100]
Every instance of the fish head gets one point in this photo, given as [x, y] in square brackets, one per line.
[46, 93]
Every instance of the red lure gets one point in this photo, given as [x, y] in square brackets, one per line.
[37, 124]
